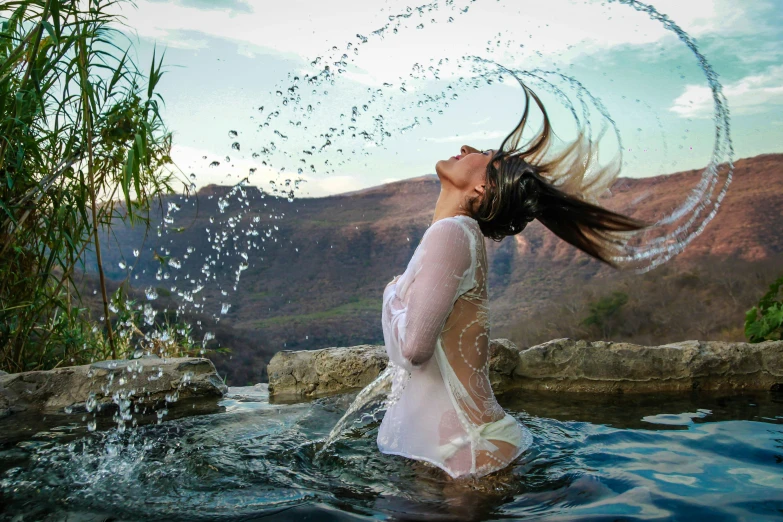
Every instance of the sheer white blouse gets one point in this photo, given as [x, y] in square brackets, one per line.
[441, 408]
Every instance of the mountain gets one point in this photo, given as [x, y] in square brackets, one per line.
[317, 273]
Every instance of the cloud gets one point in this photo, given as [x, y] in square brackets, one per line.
[196, 161]
[471, 136]
[191, 160]
[233, 6]
[331, 185]
[185, 39]
[309, 30]
[750, 95]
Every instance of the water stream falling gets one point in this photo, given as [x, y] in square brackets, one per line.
[373, 395]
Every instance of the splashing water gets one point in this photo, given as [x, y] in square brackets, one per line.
[669, 235]
[369, 396]
[255, 460]
[341, 111]
[688, 221]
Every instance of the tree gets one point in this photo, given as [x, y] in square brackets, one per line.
[603, 310]
[764, 322]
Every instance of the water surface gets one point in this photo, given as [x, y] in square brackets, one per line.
[594, 457]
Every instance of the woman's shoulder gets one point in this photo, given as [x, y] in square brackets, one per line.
[458, 223]
[454, 231]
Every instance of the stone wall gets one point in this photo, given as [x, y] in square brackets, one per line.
[599, 366]
[563, 365]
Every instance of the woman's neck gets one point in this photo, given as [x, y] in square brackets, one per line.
[449, 204]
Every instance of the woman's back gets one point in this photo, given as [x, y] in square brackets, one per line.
[465, 342]
[436, 327]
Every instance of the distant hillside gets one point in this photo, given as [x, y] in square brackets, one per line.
[320, 283]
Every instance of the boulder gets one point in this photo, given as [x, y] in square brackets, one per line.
[144, 381]
[503, 360]
[315, 373]
[558, 365]
[602, 366]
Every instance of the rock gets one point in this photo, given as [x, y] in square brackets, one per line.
[503, 360]
[601, 366]
[141, 381]
[316, 373]
[558, 365]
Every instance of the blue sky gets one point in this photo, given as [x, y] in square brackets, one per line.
[228, 58]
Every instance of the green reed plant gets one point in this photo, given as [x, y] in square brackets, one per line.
[82, 146]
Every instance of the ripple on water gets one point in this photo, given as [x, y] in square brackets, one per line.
[255, 458]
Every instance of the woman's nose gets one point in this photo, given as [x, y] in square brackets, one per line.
[467, 149]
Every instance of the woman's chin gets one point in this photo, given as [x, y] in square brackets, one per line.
[439, 168]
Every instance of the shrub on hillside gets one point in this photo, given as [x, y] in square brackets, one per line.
[764, 322]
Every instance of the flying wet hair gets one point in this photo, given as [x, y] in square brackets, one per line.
[524, 183]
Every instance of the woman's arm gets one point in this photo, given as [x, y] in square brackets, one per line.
[416, 306]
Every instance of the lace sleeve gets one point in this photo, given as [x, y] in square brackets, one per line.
[416, 306]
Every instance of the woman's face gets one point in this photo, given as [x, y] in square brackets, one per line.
[467, 171]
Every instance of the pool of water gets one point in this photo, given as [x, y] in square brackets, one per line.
[594, 457]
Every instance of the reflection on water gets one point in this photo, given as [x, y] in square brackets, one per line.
[634, 458]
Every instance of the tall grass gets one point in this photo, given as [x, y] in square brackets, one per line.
[82, 146]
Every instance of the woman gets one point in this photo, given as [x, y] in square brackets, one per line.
[435, 316]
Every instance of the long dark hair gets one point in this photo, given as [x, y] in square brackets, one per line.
[528, 185]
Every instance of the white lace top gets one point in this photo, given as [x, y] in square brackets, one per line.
[441, 408]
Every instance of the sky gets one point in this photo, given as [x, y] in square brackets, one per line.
[224, 59]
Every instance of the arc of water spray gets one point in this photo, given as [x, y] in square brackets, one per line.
[369, 393]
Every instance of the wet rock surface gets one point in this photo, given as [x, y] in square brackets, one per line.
[139, 382]
[564, 365]
[600, 366]
[315, 373]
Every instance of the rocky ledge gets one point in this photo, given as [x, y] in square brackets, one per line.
[562, 365]
[146, 381]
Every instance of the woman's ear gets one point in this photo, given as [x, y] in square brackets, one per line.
[479, 189]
